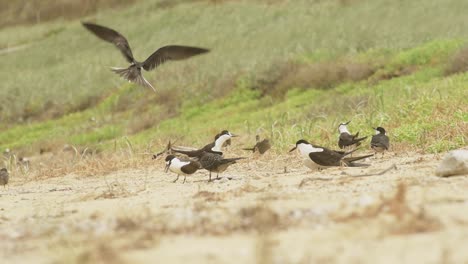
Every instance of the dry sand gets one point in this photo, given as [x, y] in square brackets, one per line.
[273, 210]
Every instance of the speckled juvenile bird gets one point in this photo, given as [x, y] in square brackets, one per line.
[323, 157]
[380, 141]
[260, 146]
[346, 139]
[182, 166]
[214, 162]
[160, 56]
[4, 177]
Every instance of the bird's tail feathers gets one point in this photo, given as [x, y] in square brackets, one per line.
[360, 139]
[190, 153]
[133, 74]
[349, 152]
[357, 158]
[249, 149]
[232, 160]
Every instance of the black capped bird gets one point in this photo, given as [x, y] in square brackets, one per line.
[4, 177]
[323, 157]
[211, 155]
[380, 141]
[215, 146]
[260, 146]
[346, 139]
[160, 56]
[182, 166]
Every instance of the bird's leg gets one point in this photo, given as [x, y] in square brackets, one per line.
[210, 177]
[176, 178]
[217, 175]
[185, 177]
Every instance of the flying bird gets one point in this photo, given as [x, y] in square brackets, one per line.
[160, 56]
[380, 141]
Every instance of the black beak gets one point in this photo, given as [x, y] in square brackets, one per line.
[167, 167]
[234, 135]
[374, 128]
[347, 122]
[293, 149]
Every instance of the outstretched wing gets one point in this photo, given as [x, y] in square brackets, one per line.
[172, 52]
[111, 36]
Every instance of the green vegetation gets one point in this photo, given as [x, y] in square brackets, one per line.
[288, 70]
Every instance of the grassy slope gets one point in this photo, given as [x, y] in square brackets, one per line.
[65, 66]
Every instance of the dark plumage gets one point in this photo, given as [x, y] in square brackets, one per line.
[160, 56]
[326, 157]
[260, 146]
[346, 139]
[214, 162]
[4, 177]
[380, 141]
[182, 166]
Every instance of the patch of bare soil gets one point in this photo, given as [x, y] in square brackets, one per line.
[273, 210]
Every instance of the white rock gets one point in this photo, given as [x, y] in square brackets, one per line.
[454, 163]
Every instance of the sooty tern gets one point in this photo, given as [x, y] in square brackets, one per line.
[181, 166]
[4, 177]
[260, 146]
[215, 146]
[346, 138]
[380, 141]
[160, 56]
[211, 155]
[324, 157]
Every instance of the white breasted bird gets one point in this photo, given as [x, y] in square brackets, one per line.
[181, 166]
[211, 155]
[160, 56]
[347, 139]
[324, 157]
[380, 141]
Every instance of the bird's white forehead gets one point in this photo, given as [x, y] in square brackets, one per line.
[343, 128]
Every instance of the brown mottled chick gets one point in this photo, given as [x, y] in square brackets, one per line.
[4, 177]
